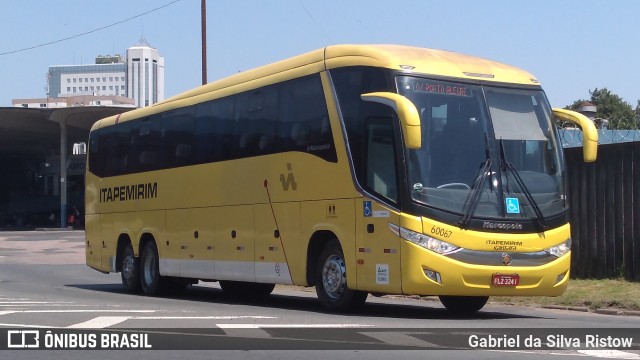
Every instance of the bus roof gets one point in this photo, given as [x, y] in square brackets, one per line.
[411, 60]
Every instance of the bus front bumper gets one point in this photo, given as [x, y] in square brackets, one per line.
[428, 273]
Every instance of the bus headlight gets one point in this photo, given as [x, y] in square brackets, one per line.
[560, 249]
[427, 242]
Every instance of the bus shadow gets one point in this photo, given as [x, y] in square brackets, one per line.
[426, 310]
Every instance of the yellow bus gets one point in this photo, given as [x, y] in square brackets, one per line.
[356, 169]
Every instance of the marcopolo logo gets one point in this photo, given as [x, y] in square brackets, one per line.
[23, 339]
[67, 340]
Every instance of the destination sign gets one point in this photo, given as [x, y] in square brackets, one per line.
[441, 88]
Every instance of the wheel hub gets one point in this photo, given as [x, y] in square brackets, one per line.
[128, 267]
[334, 276]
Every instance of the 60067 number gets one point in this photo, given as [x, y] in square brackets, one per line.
[440, 232]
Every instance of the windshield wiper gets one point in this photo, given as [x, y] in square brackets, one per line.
[509, 166]
[471, 201]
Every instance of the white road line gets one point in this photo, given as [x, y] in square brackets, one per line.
[100, 322]
[400, 339]
[70, 311]
[35, 302]
[293, 326]
[610, 354]
[200, 317]
[27, 326]
[44, 304]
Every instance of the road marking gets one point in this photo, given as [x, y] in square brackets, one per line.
[73, 311]
[201, 317]
[27, 326]
[293, 326]
[2, 303]
[610, 354]
[400, 339]
[100, 322]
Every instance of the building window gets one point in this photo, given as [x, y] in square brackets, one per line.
[122, 87]
[92, 88]
[86, 79]
[97, 79]
[68, 89]
[104, 88]
[80, 80]
[74, 80]
[74, 89]
[111, 87]
[122, 78]
[110, 78]
[86, 88]
[68, 80]
[104, 79]
[92, 79]
[43, 105]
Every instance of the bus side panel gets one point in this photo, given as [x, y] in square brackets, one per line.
[234, 243]
[190, 235]
[109, 242]
[338, 217]
[93, 249]
[275, 258]
[378, 249]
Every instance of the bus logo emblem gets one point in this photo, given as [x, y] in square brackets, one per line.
[289, 180]
[513, 205]
[505, 259]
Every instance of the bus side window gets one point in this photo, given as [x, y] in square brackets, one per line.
[305, 117]
[381, 172]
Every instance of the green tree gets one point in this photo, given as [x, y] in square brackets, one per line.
[610, 106]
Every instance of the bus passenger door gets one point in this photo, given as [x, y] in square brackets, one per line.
[271, 264]
[234, 243]
[377, 248]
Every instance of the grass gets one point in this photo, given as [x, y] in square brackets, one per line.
[592, 294]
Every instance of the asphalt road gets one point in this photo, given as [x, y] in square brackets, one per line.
[45, 285]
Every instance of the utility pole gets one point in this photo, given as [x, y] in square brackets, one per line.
[203, 13]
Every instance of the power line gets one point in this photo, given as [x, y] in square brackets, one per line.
[88, 32]
[315, 22]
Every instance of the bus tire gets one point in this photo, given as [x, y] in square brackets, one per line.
[240, 289]
[130, 269]
[463, 305]
[150, 278]
[331, 281]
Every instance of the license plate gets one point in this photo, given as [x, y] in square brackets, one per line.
[505, 280]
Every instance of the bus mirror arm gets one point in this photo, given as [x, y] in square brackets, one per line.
[407, 114]
[589, 132]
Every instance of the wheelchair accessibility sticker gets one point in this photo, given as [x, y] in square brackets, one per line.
[367, 209]
[513, 205]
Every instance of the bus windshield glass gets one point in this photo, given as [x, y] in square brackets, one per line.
[487, 152]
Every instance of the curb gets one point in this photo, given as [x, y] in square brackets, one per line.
[596, 311]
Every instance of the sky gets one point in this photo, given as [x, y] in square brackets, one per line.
[570, 46]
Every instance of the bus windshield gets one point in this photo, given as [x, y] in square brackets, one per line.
[488, 152]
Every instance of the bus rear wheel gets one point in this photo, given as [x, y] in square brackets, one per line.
[130, 270]
[150, 278]
[240, 289]
[463, 305]
[331, 281]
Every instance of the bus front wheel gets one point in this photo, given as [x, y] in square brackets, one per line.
[150, 277]
[331, 281]
[130, 270]
[463, 305]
